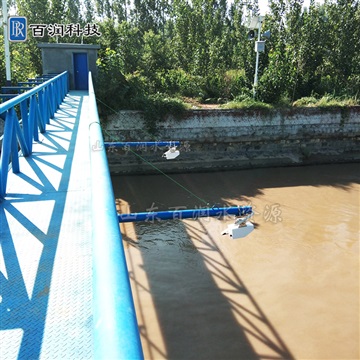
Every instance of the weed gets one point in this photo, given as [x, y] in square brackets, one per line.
[247, 103]
[326, 101]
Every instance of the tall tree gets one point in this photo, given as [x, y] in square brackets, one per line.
[275, 76]
[343, 25]
[314, 42]
[73, 12]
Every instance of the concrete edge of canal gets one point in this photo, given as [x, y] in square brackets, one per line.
[237, 139]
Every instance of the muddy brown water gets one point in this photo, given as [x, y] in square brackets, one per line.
[289, 290]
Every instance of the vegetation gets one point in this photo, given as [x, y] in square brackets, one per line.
[156, 51]
[326, 101]
[247, 103]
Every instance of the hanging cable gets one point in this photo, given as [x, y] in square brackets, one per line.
[152, 165]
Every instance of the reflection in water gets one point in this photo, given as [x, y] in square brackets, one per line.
[288, 290]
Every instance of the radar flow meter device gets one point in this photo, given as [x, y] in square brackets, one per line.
[241, 228]
[172, 153]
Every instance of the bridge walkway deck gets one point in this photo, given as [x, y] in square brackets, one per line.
[45, 249]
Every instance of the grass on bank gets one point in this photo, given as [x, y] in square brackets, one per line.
[248, 103]
[326, 101]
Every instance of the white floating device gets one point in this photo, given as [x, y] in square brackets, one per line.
[172, 153]
[240, 228]
[237, 232]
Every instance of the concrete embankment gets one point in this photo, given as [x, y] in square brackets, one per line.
[237, 139]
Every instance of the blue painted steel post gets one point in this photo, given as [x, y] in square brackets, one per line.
[185, 214]
[25, 123]
[19, 134]
[14, 146]
[122, 144]
[5, 154]
[116, 333]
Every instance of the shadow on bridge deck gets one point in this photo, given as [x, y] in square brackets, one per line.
[45, 252]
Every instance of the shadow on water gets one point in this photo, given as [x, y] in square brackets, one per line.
[22, 306]
[239, 185]
[195, 318]
[198, 318]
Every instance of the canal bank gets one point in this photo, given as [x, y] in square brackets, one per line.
[219, 139]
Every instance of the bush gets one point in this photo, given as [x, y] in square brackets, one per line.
[157, 107]
[111, 85]
[305, 101]
[353, 86]
[245, 102]
[270, 88]
[235, 83]
[179, 82]
[326, 84]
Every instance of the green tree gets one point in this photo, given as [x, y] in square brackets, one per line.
[113, 9]
[154, 58]
[314, 41]
[275, 76]
[21, 65]
[145, 14]
[130, 46]
[181, 43]
[89, 11]
[73, 12]
[343, 44]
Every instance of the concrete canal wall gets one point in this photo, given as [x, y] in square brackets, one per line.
[235, 139]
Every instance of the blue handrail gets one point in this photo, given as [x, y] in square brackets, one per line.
[116, 333]
[37, 106]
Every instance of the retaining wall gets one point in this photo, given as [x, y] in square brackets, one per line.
[235, 139]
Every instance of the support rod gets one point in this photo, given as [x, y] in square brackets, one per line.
[257, 59]
[6, 43]
[185, 214]
[121, 144]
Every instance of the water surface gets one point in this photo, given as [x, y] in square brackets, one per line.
[288, 290]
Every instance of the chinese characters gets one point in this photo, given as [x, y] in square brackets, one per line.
[62, 30]
[272, 213]
[143, 147]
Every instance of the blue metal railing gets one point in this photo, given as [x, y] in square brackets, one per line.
[116, 333]
[36, 107]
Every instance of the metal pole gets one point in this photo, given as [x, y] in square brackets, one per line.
[257, 58]
[6, 43]
[185, 214]
[121, 144]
